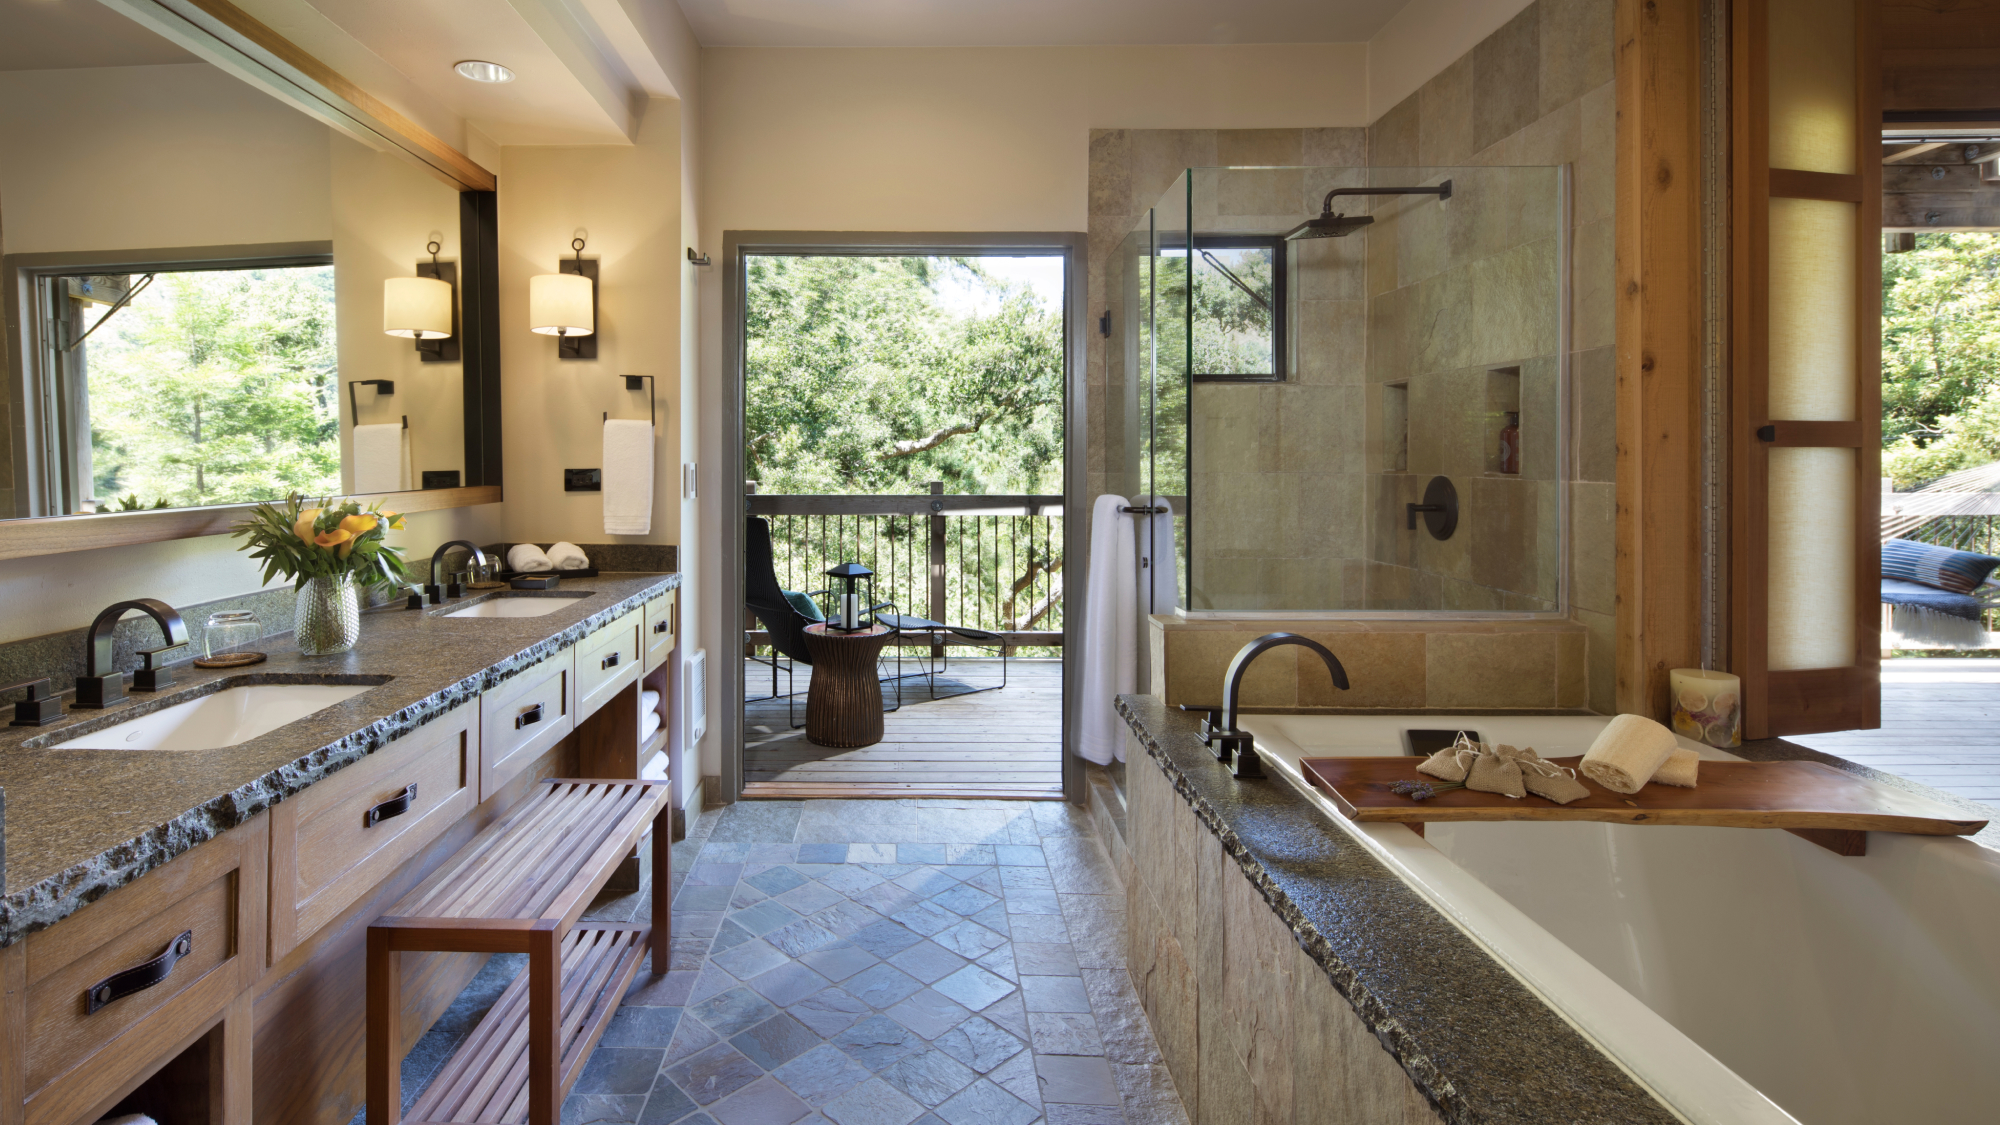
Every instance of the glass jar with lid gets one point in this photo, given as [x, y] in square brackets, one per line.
[232, 637]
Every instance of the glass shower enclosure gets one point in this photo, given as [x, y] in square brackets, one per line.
[1350, 388]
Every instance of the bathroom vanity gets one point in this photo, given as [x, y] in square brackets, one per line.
[184, 931]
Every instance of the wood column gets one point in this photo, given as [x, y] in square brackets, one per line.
[1658, 348]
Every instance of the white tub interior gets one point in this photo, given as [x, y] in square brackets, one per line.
[1728, 969]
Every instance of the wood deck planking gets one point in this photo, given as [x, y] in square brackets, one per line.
[1940, 726]
[993, 744]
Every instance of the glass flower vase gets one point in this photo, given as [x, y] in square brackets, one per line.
[328, 619]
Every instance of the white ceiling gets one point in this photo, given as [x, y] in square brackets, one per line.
[72, 34]
[938, 23]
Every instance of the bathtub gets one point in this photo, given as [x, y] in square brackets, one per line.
[1745, 976]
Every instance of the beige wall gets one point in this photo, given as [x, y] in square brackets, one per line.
[155, 156]
[385, 210]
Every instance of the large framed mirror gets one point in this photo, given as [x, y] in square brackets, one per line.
[213, 298]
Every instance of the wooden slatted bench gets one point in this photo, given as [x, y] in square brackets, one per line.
[520, 886]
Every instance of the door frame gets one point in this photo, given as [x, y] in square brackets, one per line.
[736, 246]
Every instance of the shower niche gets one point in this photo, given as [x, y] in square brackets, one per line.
[1414, 324]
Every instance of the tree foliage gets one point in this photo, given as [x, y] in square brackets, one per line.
[861, 379]
[1940, 357]
[217, 387]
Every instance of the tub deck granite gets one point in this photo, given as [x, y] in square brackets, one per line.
[81, 823]
[1475, 1040]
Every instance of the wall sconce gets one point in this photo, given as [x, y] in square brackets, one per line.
[564, 305]
[424, 308]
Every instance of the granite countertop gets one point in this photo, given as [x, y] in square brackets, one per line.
[81, 823]
[1469, 1033]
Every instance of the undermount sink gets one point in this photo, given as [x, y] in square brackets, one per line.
[224, 718]
[517, 605]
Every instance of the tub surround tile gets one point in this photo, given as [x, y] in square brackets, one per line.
[1434, 1009]
[67, 846]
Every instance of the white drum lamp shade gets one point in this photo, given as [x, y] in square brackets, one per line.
[416, 308]
[559, 304]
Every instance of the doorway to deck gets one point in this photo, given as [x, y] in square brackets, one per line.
[904, 419]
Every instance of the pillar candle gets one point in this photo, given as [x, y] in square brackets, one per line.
[1708, 706]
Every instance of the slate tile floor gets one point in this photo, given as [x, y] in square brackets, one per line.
[917, 962]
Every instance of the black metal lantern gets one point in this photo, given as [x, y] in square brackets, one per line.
[856, 608]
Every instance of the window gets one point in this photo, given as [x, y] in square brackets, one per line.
[1239, 309]
[183, 388]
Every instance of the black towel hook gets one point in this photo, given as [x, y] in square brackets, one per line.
[650, 385]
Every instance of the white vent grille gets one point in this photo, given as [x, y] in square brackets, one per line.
[695, 696]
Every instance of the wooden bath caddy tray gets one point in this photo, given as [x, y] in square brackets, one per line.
[1822, 804]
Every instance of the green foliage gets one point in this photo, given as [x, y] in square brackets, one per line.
[859, 379]
[1940, 357]
[218, 387]
[128, 503]
[327, 541]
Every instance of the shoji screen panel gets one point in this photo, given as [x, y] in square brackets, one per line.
[1807, 352]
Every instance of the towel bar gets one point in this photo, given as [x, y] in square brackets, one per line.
[383, 387]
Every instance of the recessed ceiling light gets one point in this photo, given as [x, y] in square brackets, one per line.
[484, 71]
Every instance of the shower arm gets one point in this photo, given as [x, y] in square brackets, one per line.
[1442, 191]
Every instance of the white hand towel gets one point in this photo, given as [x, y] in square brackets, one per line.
[568, 556]
[1111, 629]
[649, 700]
[381, 458]
[526, 558]
[655, 768]
[649, 727]
[628, 477]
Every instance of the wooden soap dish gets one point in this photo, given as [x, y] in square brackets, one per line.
[1832, 809]
[230, 660]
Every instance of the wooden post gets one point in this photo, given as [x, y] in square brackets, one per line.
[937, 566]
[385, 1031]
[544, 1024]
[663, 871]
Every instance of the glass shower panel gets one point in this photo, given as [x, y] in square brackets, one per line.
[1353, 343]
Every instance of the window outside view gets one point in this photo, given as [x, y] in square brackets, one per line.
[214, 387]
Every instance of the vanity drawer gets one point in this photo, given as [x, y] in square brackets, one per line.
[606, 661]
[522, 718]
[336, 841]
[75, 1057]
[662, 628]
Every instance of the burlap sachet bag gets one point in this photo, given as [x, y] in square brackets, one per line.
[1544, 778]
[1493, 772]
[1450, 763]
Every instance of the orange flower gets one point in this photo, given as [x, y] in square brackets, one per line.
[358, 525]
[304, 528]
[334, 538]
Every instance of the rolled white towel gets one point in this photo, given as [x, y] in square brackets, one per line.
[648, 727]
[655, 768]
[129, 1119]
[1628, 752]
[568, 556]
[526, 558]
[1679, 768]
[649, 700]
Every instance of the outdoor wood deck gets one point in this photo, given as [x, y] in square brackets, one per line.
[1940, 726]
[995, 744]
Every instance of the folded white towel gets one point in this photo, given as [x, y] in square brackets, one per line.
[568, 556]
[649, 728]
[655, 768]
[1628, 752]
[526, 558]
[628, 477]
[1110, 628]
[381, 458]
[649, 700]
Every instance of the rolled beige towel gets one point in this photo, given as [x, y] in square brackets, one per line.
[1679, 768]
[1627, 753]
[526, 558]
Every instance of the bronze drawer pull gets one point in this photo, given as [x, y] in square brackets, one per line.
[531, 715]
[608, 662]
[660, 626]
[394, 806]
[139, 978]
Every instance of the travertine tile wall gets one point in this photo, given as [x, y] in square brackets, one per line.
[1538, 92]
[1250, 1026]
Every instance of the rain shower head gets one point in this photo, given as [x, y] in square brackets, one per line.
[1332, 225]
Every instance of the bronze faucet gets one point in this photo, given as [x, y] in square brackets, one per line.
[438, 593]
[1218, 731]
[97, 690]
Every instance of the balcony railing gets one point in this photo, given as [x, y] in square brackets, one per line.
[988, 562]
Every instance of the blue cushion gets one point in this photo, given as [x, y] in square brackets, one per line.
[808, 608]
[1897, 592]
[1961, 572]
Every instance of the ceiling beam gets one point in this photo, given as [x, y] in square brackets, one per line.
[1911, 152]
